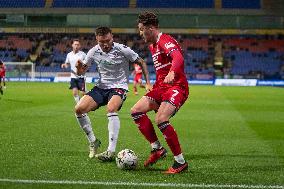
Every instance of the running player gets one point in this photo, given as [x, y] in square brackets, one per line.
[169, 93]
[77, 82]
[2, 76]
[137, 73]
[112, 60]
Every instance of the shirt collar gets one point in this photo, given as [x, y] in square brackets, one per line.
[159, 35]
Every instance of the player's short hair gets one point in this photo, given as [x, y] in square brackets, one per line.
[101, 31]
[75, 40]
[148, 18]
[1, 62]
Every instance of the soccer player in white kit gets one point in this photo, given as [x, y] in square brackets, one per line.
[77, 82]
[112, 60]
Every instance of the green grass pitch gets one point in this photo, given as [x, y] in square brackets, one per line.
[229, 135]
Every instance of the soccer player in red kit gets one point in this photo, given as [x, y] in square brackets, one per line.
[2, 76]
[169, 93]
[137, 78]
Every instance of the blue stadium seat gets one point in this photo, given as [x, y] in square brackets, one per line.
[90, 3]
[175, 4]
[22, 3]
[246, 62]
[241, 4]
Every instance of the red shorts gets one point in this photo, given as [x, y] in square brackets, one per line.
[174, 95]
[138, 77]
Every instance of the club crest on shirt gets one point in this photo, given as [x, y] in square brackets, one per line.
[169, 45]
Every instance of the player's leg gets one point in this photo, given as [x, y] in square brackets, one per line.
[85, 105]
[74, 88]
[1, 89]
[135, 87]
[141, 85]
[116, 98]
[172, 100]
[75, 93]
[82, 86]
[4, 82]
[145, 126]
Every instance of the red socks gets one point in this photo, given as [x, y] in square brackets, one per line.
[145, 126]
[171, 137]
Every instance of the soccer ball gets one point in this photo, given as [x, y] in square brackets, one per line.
[126, 159]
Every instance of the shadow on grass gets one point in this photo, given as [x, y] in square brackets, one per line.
[67, 153]
[21, 101]
[228, 156]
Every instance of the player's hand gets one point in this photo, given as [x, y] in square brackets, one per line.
[170, 77]
[63, 66]
[148, 87]
[81, 68]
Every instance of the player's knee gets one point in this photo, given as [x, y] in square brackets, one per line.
[160, 118]
[134, 110]
[79, 110]
[111, 109]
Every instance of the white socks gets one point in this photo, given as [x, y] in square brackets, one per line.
[179, 158]
[76, 98]
[113, 130]
[85, 124]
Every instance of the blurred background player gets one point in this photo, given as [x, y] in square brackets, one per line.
[112, 60]
[169, 93]
[2, 77]
[77, 82]
[137, 79]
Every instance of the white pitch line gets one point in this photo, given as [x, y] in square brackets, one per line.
[80, 182]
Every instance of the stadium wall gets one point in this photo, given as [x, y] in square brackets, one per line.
[215, 82]
[186, 21]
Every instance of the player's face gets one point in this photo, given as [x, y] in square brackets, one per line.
[76, 46]
[105, 41]
[146, 32]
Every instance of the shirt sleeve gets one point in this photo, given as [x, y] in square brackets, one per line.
[67, 59]
[129, 53]
[177, 62]
[84, 56]
[89, 58]
[168, 45]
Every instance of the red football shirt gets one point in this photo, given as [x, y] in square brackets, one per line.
[161, 51]
[2, 71]
[137, 69]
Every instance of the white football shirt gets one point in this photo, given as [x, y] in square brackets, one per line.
[72, 59]
[113, 67]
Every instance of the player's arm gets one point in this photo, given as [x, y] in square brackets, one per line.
[177, 66]
[145, 72]
[134, 58]
[66, 64]
[170, 47]
[83, 65]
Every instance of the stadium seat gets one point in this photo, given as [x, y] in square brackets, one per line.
[175, 4]
[90, 3]
[22, 4]
[241, 4]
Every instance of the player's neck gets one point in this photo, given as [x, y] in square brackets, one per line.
[75, 51]
[157, 35]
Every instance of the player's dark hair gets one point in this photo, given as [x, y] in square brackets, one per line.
[75, 40]
[1, 62]
[100, 31]
[148, 18]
